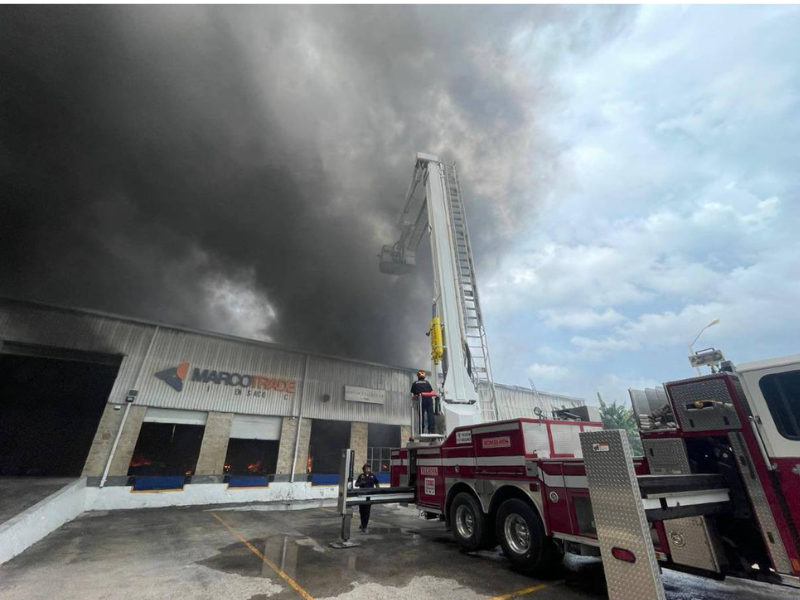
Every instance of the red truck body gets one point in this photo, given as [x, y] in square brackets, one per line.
[707, 434]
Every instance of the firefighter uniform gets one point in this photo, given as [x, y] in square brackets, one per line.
[367, 479]
[422, 386]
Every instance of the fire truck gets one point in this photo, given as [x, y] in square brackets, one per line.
[717, 492]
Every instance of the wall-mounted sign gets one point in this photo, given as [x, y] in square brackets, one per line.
[359, 394]
[175, 377]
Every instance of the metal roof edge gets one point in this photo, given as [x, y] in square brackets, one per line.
[237, 339]
[520, 388]
[213, 334]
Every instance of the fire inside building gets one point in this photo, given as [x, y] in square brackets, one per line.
[140, 406]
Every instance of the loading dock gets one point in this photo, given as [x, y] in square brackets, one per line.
[253, 447]
[380, 441]
[271, 414]
[328, 439]
[51, 401]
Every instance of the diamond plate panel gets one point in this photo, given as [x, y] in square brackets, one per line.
[619, 517]
[714, 418]
[666, 457]
[769, 529]
[690, 543]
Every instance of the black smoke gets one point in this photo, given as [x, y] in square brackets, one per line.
[152, 155]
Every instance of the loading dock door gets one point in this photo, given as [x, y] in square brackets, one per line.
[328, 439]
[169, 443]
[51, 401]
[253, 445]
[256, 427]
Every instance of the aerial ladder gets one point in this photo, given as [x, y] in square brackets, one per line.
[460, 364]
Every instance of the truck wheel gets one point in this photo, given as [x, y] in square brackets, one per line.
[469, 524]
[522, 537]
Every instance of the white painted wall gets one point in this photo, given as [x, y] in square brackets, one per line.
[42, 518]
[113, 498]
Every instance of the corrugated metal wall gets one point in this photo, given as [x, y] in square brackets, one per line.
[514, 402]
[321, 388]
[329, 376]
[46, 326]
[173, 347]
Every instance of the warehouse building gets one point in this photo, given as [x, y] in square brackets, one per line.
[137, 406]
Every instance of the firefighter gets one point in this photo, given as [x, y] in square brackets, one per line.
[419, 387]
[367, 479]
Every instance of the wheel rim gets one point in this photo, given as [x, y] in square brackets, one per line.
[465, 521]
[517, 534]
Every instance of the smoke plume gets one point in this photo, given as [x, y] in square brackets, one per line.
[238, 168]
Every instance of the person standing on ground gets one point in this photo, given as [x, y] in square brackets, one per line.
[367, 479]
[418, 388]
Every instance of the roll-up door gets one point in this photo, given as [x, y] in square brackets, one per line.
[255, 427]
[172, 415]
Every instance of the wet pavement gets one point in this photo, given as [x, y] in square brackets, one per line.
[17, 494]
[252, 554]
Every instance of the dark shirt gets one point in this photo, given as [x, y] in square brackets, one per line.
[367, 480]
[421, 386]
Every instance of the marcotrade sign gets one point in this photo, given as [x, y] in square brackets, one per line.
[175, 376]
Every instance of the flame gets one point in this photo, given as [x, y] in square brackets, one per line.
[254, 467]
[139, 460]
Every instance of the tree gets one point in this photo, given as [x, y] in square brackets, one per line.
[617, 416]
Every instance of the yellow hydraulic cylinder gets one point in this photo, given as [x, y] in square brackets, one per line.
[437, 346]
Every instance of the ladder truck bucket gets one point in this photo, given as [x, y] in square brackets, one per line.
[629, 560]
[392, 262]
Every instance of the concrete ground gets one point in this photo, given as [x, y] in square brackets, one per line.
[20, 493]
[254, 553]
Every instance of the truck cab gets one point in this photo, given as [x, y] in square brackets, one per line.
[772, 389]
[741, 424]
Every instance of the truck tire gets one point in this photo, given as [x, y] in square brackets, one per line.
[522, 537]
[470, 526]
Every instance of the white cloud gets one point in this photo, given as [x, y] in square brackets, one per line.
[581, 319]
[676, 203]
[591, 347]
[548, 372]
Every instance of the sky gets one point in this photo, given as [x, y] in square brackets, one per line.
[630, 173]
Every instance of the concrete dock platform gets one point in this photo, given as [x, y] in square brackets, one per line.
[255, 553]
[17, 494]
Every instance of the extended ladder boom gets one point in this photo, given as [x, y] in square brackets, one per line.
[466, 384]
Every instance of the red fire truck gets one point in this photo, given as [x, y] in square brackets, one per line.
[716, 493]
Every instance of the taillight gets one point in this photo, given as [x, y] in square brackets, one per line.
[624, 555]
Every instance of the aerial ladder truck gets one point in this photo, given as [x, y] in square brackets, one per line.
[717, 492]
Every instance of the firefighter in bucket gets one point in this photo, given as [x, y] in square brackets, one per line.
[425, 396]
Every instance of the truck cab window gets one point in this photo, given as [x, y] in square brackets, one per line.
[782, 393]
